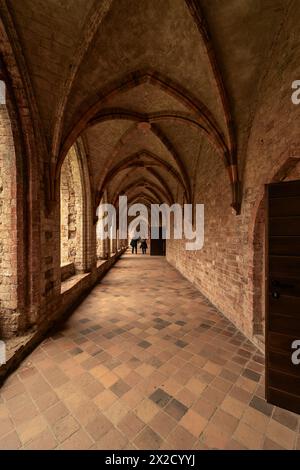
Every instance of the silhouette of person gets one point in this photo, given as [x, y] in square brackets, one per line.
[134, 244]
[144, 246]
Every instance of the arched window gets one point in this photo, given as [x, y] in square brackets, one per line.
[101, 245]
[71, 215]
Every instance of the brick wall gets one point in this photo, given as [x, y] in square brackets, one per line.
[8, 227]
[229, 270]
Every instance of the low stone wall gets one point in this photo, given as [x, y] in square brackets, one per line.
[73, 293]
[67, 270]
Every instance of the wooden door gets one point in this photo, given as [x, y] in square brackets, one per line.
[283, 295]
[158, 245]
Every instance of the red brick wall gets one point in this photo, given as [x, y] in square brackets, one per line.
[8, 227]
[229, 270]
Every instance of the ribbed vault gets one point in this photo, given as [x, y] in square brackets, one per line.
[143, 84]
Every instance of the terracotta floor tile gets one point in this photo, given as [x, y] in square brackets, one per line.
[193, 422]
[105, 399]
[233, 406]
[225, 421]
[46, 400]
[31, 429]
[98, 427]
[139, 368]
[255, 419]
[43, 441]
[290, 420]
[131, 425]
[214, 437]
[271, 445]
[281, 434]
[10, 441]
[204, 408]
[171, 386]
[146, 410]
[213, 395]
[180, 439]
[162, 424]
[80, 440]
[196, 386]
[221, 384]
[114, 439]
[55, 413]
[249, 437]
[99, 371]
[109, 379]
[234, 445]
[117, 411]
[148, 439]
[65, 427]
[24, 414]
[186, 397]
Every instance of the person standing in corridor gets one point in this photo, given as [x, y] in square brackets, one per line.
[134, 244]
[144, 246]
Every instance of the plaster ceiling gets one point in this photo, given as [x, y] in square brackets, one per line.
[105, 69]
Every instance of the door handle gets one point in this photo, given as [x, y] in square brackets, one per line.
[275, 295]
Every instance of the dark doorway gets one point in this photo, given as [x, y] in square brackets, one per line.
[158, 244]
[283, 295]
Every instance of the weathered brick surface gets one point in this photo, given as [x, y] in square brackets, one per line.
[71, 212]
[229, 270]
[8, 226]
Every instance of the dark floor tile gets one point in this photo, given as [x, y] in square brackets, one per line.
[80, 340]
[144, 344]
[120, 388]
[155, 362]
[176, 409]
[228, 375]
[86, 331]
[96, 327]
[160, 397]
[97, 352]
[250, 374]
[118, 331]
[148, 439]
[261, 405]
[286, 418]
[112, 363]
[75, 351]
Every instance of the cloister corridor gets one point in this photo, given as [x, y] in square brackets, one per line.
[145, 362]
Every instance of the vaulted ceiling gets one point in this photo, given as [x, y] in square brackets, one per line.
[144, 83]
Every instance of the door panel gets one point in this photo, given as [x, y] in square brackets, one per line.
[284, 226]
[158, 246]
[281, 246]
[284, 325]
[280, 208]
[286, 286]
[280, 363]
[283, 294]
[281, 398]
[280, 342]
[285, 306]
[285, 266]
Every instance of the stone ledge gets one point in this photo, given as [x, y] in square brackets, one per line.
[66, 271]
[21, 346]
[72, 281]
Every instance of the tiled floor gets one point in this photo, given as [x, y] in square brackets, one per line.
[143, 363]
